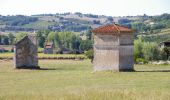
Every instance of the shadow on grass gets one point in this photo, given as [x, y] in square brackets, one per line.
[152, 71]
[50, 69]
[38, 68]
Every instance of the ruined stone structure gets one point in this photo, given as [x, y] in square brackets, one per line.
[113, 48]
[26, 53]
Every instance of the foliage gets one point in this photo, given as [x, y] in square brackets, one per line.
[5, 40]
[138, 45]
[86, 45]
[140, 27]
[17, 20]
[149, 51]
[65, 41]
[124, 21]
[20, 36]
[165, 53]
[51, 36]
[90, 54]
[11, 38]
[141, 60]
[42, 36]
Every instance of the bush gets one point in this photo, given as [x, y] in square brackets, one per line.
[90, 54]
[151, 51]
[141, 61]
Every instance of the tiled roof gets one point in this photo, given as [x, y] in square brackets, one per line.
[114, 28]
[49, 45]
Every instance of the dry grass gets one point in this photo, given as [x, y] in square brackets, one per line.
[42, 55]
[75, 80]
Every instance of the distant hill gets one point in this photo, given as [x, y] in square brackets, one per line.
[78, 22]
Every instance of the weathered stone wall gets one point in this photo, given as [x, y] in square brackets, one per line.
[126, 39]
[106, 58]
[106, 40]
[113, 52]
[126, 57]
[106, 52]
[26, 53]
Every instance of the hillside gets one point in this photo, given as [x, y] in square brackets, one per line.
[78, 22]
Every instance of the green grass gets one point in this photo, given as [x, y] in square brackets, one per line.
[75, 80]
[42, 55]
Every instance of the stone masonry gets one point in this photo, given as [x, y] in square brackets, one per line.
[113, 48]
[26, 53]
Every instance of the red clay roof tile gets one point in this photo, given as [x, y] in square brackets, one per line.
[114, 28]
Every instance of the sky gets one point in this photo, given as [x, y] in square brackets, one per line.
[100, 7]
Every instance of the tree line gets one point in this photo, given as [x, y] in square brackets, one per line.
[62, 40]
[145, 51]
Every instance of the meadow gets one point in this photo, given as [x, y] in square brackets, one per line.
[10, 55]
[75, 80]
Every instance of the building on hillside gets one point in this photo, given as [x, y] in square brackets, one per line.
[26, 53]
[113, 48]
[49, 48]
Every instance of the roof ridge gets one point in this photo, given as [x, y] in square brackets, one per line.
[116, 28]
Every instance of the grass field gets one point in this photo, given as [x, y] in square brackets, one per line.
[75, 80]
[42, 55]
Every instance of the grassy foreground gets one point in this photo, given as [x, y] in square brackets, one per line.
[75, 80]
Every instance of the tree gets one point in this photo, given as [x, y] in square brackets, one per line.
[11, 38]
[165, 53]
[89, 34]
[20, 36]
[51, 36]
[150, 51]
[6, 40]
[90, 54]
[138, 44]
[75, 41]
[86, 45]
[42, 36]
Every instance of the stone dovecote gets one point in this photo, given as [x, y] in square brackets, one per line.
[113, 48]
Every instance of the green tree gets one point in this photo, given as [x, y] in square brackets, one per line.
[51, 36]
[138, 44]
[20, 36]
[151, 51]
[11, 38]
[6, 40]
[86, 45]
[90, 54]
[165, 53]
[42, 36]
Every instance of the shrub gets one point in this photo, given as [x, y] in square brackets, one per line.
[90, 54]
[141, 61]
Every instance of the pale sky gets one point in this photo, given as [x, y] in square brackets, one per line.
[100, 7]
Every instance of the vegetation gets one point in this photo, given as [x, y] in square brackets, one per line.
[65, 41]
[54, 22]
[75, 80]
[90, 54]
[149, 51]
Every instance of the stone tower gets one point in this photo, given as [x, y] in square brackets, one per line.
[113, 48]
